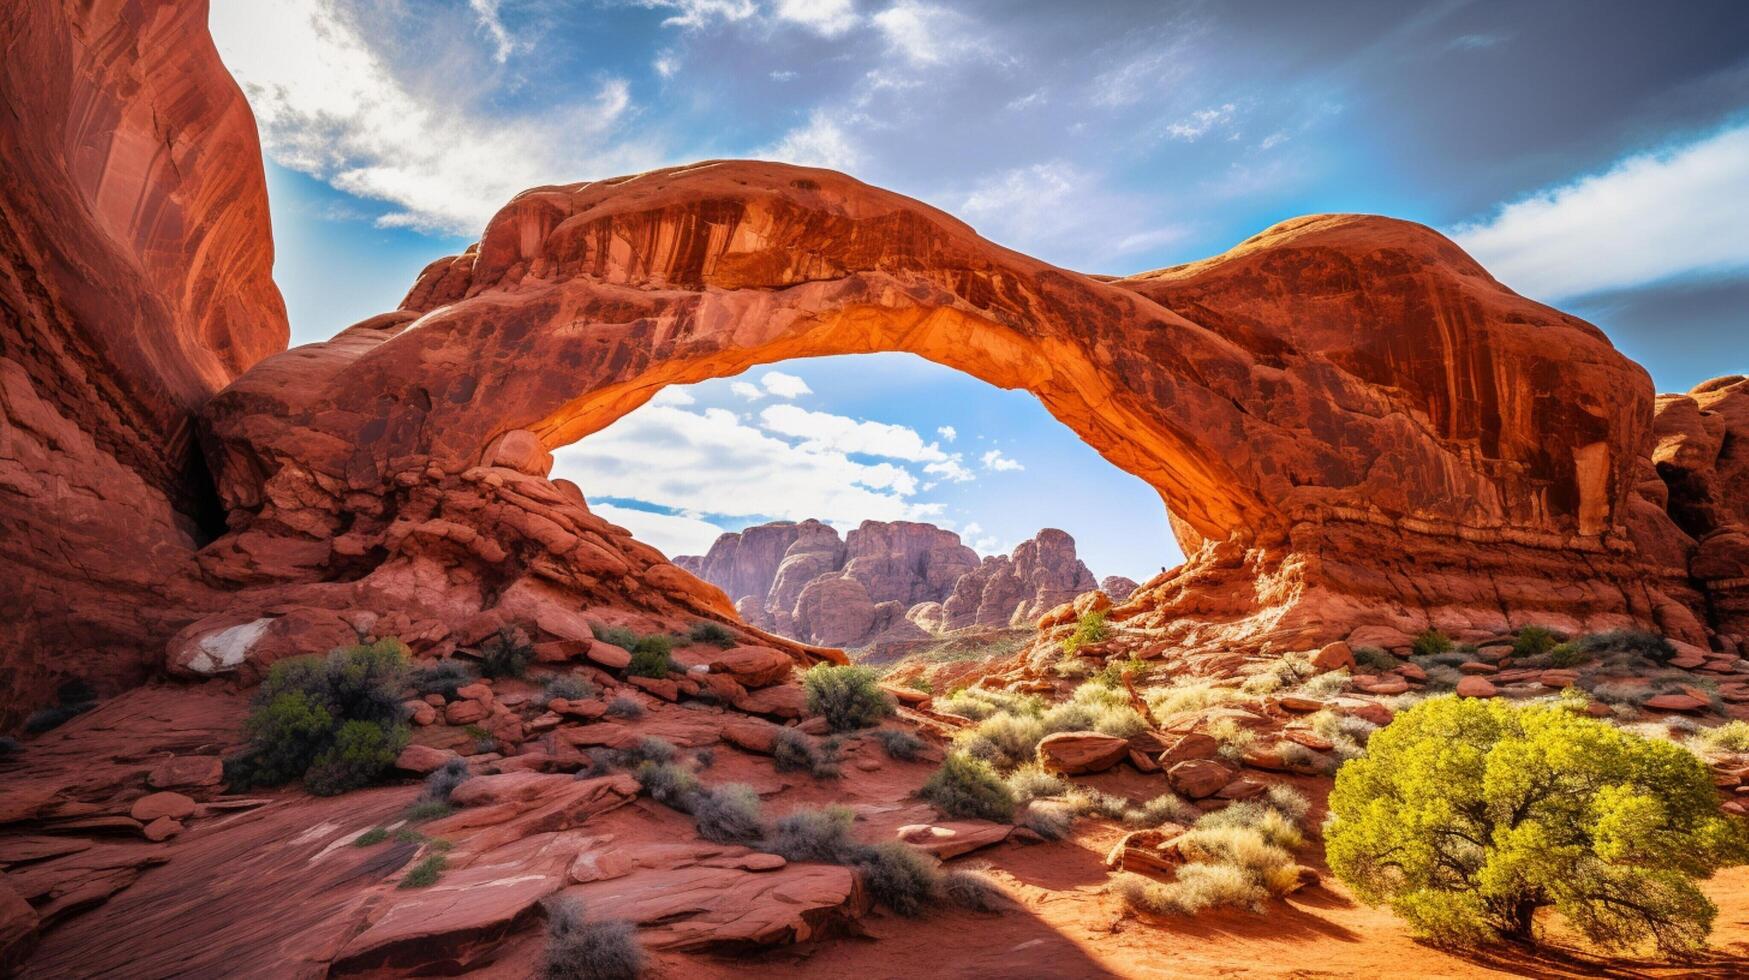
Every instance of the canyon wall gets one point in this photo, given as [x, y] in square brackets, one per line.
[135, 281]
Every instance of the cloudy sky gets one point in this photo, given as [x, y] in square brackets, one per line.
[1594, 155]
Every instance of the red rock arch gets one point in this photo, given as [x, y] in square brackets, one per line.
[1349, 419]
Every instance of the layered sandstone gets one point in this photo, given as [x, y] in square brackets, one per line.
[135, 280]
[1701, 458]
[1013, 590]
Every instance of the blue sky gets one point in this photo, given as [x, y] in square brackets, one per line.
[1594, 155]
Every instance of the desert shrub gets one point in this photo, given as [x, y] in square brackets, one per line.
[1192, 696]
[669, 785]
[968, 787]
[506, 653]
[1732, 736]
[794, 751]
[1031, 780]
[650, 657]
[1468, 816]
[579, 948]
[1441, 678]
[1048, 820]
[729, 814]
[971, 890]
[1374, 658]
[371, 837]
[425, 810]
[444, 677]
[967, 705]
[443, 780]
[715, 634]
[357, 756]
[1165, 808]
[1087, 800]
[976, 704]
[425, 873]
[849, 696]
[1095, 706]
[1003, 739]
[1568, 655]
[1289, 670]
[1325, 685]
[1287, 801]
[649, 749]
[1263, 862]
[1430, 642]
[1195, 887]
[815, 835]
[569, 687]
[1535, 640]
[336, 721]
[1267, 824]
[1234, 738]
[705, 757]
[899, 744]
[625, 707]
[619, 636]
[1090, 628]
[899, 876]
[1638, 644]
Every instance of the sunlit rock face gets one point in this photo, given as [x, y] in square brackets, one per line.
[1350, 421]
[135, 280]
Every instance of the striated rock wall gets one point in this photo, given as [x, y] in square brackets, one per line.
[135, 280]
[1011, 590]
[1701, 458]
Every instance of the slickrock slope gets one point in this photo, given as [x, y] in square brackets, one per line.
[135, 280]
[888, 580]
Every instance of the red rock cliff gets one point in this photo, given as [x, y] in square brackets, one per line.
[135, 280]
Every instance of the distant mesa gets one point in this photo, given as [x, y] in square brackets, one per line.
[888, 581]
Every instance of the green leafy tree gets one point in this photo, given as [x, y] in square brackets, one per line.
[1468, 816]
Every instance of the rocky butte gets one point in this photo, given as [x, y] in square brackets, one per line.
[1363, 439]
[889, 581]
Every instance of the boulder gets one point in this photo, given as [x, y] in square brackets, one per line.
[1334, 656]
[1075, 753]
[1476, 687]
[1189, 747]
[753, 666]
[423, 759]
[1198, 778]
[187, 772]
[166, 804]
[1675, 702]
[952, 838]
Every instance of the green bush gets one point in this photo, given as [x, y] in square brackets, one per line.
[1430, 642]
[899, 876]
[427, 810]
[849, 696]
[1467, 816]
[589, 949]
[371, 837]
[1090, 628]
[821, 835]
[425, 873]
[968, 787]
[358, 754]
[619, 636]
[669, 784]
[713, 633]
[506, 654]
[1534, 640]
[568, 687]
[1636, 644]
[444, 677]
[650, 657]
[624, 707]
[972, 890]
[335, 721]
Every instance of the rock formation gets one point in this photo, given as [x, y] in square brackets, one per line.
[1013, 590]
[135, 281]
[895, 580]
[1701, 459]
[1118, 587]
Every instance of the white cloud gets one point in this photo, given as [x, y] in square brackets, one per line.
[673, 395]
[928, 35]
[823, 430]
[784, 385]
[666, 63]
[487, 16]
[820, 143]
[1273, 140]
[947, 433]
[329, 105]
[950, 469]
[1057, 209]
[671, 534]
[745, 390]
[784, 75]
[972, 528]
[1649, 217]
[711, 462]
[994, 460]
[700, 13]
[1201, 122]
[828, 18]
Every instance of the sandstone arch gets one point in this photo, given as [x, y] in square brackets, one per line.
[1349, 419]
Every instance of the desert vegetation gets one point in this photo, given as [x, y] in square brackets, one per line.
[849, 697]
